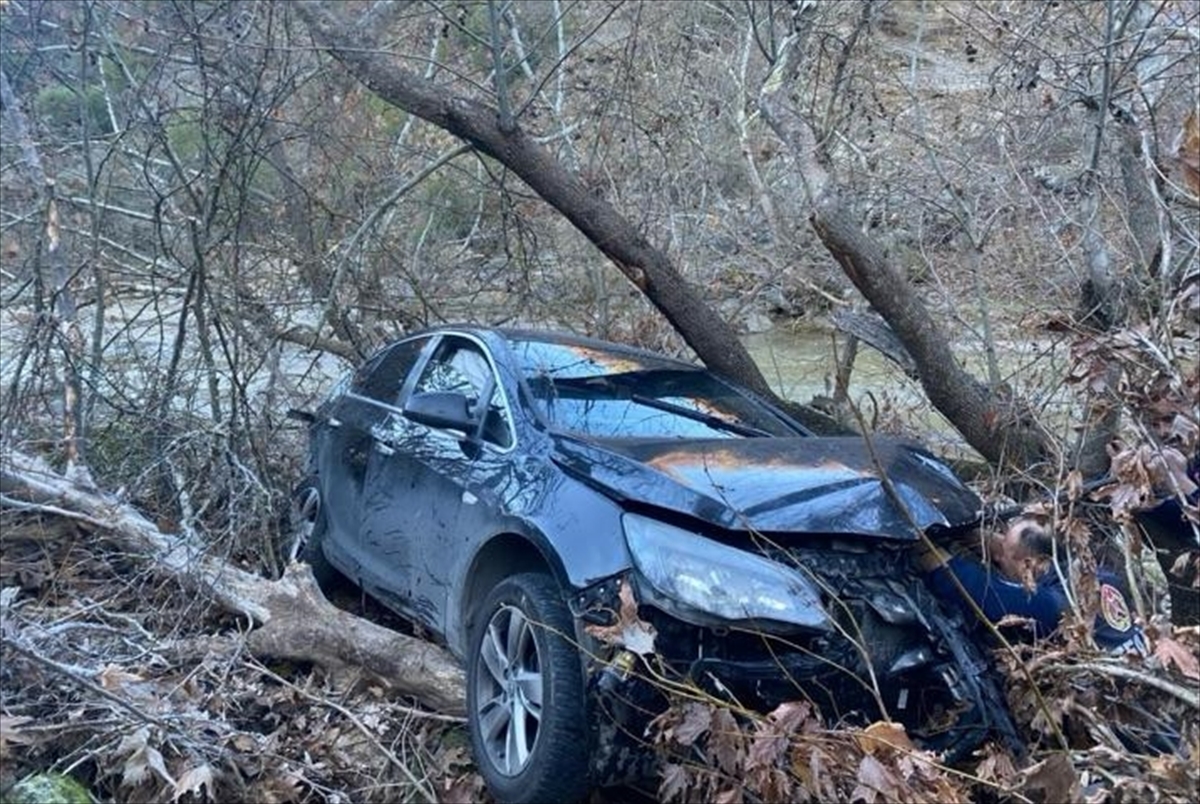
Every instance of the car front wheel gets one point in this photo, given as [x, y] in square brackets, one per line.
[525, 695]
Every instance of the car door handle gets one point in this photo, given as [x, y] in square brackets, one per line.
[384, 449]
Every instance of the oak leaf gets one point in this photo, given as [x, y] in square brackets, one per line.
[725, 741]
[194, 780]
[629, 631]
[875, 781]
[1170, 652]
[697, 719]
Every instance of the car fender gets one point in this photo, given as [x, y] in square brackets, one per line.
[575, 535]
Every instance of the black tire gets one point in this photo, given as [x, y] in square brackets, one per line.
[308, 532]
[521, 649]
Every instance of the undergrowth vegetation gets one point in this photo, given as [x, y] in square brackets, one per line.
[206, 221]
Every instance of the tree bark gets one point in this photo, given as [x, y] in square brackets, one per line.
[713, 339]
[292, 618]
[990, 419]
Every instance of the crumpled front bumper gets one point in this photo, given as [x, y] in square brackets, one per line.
[881, 663]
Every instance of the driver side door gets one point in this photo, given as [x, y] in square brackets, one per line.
[419, 478]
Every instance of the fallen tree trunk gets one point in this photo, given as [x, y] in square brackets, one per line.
[292, 619]
[357, 46]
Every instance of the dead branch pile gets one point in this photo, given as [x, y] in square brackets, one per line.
[115, 670]
[1100, 729]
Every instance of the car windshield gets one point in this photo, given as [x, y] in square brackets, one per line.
[590, 391]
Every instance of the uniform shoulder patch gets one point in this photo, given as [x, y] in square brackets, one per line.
[1113, 608]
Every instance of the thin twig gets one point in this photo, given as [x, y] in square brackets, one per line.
[1189, 697]
[74, 676]
[422, 788]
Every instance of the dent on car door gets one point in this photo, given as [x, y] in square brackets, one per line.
[423, 484]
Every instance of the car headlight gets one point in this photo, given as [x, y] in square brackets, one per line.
[722, 581]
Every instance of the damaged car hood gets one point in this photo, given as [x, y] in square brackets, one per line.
[779, 485]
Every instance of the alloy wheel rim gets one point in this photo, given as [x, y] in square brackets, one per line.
[308, 507]
[509, 687]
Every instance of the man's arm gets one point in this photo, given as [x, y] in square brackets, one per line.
[1115, 629]
[995, 595]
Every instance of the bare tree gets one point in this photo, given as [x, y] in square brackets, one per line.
[1134, 42]
[53, 281]
[496, 131]
[990, 420]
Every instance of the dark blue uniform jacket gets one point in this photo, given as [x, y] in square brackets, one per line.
[1044, 605]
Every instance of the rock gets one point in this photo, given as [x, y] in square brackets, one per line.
[755, 322]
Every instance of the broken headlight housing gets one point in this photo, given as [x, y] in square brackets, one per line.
[719, 580]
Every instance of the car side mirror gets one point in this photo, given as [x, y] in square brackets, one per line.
[306, 416]
[441, 409]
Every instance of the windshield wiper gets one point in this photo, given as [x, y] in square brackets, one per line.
[715, 422]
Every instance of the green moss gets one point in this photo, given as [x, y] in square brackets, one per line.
[48, 788]
[62, 109]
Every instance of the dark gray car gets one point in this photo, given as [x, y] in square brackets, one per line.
[563, 513]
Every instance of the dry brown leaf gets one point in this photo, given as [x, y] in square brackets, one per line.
[806, 767]
[244, 742]
[996, 767]
[629, 631]
[697, 718]
[674, 782]
[765, 749]
[465, 787]
[725, 741]
[883, 738]
[194, 780]
[1171, 652]
[277, 790]
[1054, 779]
[732, 795]
[794, 716]
[874, 781]
[141, 758]
[1174, 768]
[114, 678]
[10, 732]
[1179, 568]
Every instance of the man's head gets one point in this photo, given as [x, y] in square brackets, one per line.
[1022, 549]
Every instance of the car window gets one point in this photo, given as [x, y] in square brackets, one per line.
[460, 367]
[610, 394]
[382, 377]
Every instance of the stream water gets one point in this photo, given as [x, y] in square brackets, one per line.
[801, 363]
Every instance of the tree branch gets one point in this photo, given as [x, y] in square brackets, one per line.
[648, 268]
[294, 619]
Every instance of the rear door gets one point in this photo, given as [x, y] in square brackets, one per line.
[354, 420]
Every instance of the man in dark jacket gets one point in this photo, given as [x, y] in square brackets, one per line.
[1023, 552]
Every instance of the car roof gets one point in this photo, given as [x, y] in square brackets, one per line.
[556, 337]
